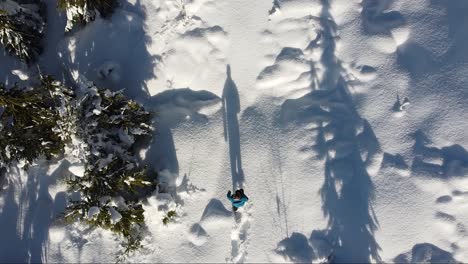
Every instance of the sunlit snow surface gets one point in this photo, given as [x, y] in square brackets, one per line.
[344, 121]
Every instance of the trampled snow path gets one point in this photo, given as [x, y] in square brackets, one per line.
[240, 235]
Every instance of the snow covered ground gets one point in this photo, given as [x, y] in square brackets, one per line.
[345, 122]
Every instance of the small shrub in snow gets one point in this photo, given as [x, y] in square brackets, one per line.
[169, 216]
[81, 12]
[21, 29]
[122, 221]
[32, 121]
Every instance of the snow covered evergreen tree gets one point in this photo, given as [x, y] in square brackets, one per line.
[81, 12]
[32, 121]
[22, 28]
[109, 115]
[100, 127]
[109, 124]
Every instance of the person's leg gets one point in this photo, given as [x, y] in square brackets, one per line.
[234, 208]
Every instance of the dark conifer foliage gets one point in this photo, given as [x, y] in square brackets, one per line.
[22, 28]
[94, 126]
[31, 121]
[109, 124]
[81, 12]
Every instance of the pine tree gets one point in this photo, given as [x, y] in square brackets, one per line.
[31, 121]
[49, 118]
[109, 116]
[109, 124]
[21, 29]
[81, 12]
[102, 202]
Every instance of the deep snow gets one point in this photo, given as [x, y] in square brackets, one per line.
[344, 121]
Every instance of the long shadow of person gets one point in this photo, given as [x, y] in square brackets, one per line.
[231, 108]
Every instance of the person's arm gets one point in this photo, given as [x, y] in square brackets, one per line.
[244, 197]
[229, 196]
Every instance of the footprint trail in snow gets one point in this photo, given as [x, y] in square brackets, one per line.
[239, 234]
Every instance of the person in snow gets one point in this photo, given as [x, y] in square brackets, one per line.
[238, 199]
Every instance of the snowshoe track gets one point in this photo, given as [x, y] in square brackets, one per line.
[240, 235]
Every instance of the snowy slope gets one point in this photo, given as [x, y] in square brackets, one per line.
[344, 121]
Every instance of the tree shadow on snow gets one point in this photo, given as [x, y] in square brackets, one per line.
[296, 248]
[435, 162]
[12, 248]
[425, 253]
[113, 52]
[376, 19]
[422, 61]
[457, 21]
[173, 107]
[25, 219]
[351, 151]
[51, 62]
